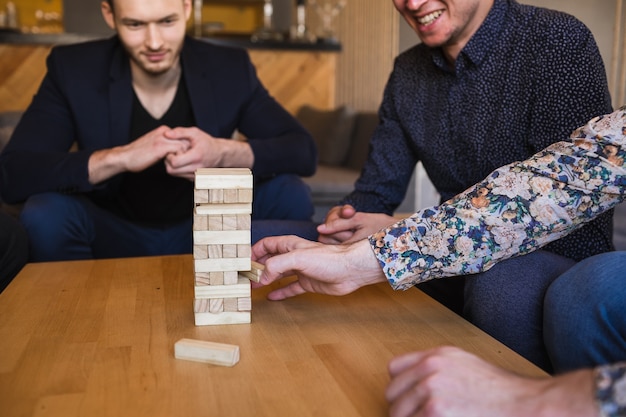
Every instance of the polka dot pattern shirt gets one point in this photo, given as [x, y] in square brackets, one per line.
[528, 77]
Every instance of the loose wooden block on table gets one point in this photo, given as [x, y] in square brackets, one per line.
[207, 352]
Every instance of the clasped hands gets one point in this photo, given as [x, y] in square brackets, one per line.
[183, 150]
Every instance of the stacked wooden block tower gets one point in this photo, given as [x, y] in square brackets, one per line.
[221, 238]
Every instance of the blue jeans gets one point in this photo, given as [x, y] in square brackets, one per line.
[506, 301]
[69, 227]
[584, 317]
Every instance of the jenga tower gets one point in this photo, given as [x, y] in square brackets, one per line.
[221, 245]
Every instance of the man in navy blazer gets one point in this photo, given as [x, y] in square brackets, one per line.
[145, 109]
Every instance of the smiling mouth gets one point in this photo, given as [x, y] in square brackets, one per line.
[429, 18]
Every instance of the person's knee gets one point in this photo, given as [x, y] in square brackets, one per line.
[45, 213]
[55, 223]
[595, 281]
[583, 321]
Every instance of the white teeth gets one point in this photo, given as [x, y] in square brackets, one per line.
[429, 18]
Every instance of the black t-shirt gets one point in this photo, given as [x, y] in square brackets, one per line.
[153, 196]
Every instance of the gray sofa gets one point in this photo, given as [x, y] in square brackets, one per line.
[342, 136]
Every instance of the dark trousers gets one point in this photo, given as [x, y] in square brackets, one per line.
[68, 227]
[507, 301]
[13, 249]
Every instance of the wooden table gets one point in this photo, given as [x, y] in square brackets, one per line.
[96, 338]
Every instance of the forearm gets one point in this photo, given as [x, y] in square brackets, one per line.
[517, 209]
[235, 154]
[105, 164]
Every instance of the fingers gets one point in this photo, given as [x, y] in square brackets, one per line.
[335, 238]
[276, 245]
[404, 392]
[401, 363]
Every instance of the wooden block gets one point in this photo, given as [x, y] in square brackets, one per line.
[223, 178]
[243, 221]
[241, 289]
[230, 251]
[207, 352]
[221, 237]
[215, 251]
[201, 305]
[216, 305]
[245, 195]
[234, 317]
[214, 222]
[221, 264]
[216, 196]
[244, 304]
[231, 196]
[220, 209]
[200, 222]
[216, 278]
[244, 251]
[230, 304]
[254, 274]
[203, 278]
[231, 277]
[229, 222]
[200, 251]
[200, 196]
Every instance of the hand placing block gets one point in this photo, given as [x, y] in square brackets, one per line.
[207, 352]
[254, 274]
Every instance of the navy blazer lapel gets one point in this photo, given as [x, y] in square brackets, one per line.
[196, 72]
[120, 97]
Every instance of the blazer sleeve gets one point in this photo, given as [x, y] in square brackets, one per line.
[37, 157]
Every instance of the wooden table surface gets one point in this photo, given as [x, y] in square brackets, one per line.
[96, 338]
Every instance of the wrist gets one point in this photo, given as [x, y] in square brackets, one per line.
[363, 264]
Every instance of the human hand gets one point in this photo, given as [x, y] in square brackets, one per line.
[205, 151]
[323, 269]
[450, 382]
[136, 156]
[343, 224]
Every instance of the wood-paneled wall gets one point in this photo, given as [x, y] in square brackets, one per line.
[294, 78]
[617, 70]
[368, 31]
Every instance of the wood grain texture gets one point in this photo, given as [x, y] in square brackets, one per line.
[292, 78]
[96, 338]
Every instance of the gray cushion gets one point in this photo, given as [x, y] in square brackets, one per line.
[331, 130]
[364, 125]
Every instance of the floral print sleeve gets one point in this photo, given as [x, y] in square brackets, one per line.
[611, 389]
[518, 208]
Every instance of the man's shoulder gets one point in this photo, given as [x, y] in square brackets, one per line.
[90, 53]
[542, 20]
[89, 47]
